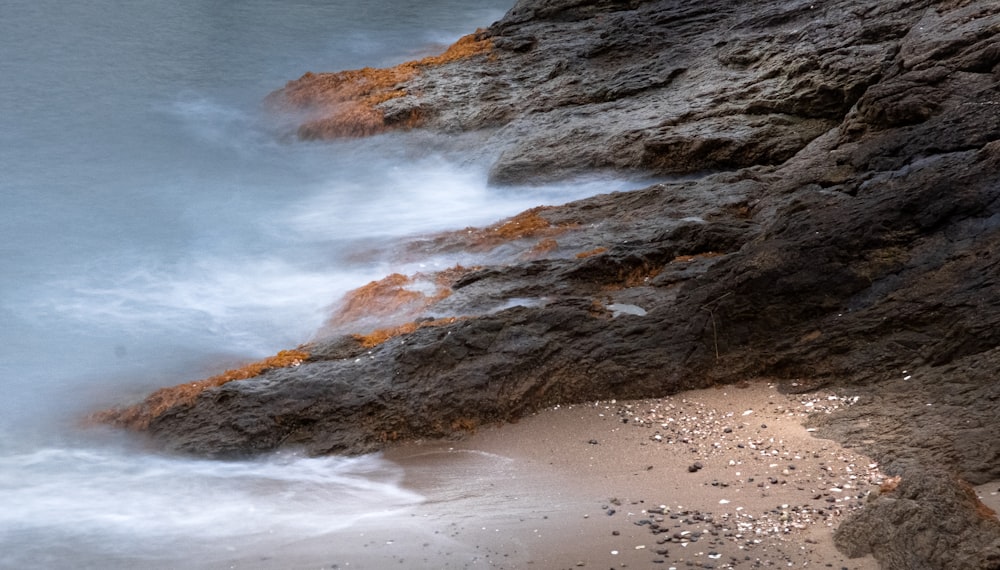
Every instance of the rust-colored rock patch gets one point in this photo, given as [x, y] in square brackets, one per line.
[690, 258]
[139, 416]
[395, 298]
[591, 253]
[347, 101]
[379, 336]
[529, 224]
[384, 298]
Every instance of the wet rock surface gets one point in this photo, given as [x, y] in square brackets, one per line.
[849, 236]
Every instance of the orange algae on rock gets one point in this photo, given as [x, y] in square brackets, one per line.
[379, 336]
[347, 101]
[378, 299]
[541, 248]
[139, 416]
[981, 509]
[890, 484]
[526, 225]
[591, 253]
[395, 298]
[690, 258]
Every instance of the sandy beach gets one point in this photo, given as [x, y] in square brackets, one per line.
[726, 477]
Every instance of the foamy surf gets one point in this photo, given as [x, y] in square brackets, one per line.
[119, 504]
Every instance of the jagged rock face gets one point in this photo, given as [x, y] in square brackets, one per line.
[853, 239]
[931, 520]
[667, 87]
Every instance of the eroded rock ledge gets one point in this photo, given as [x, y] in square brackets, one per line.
[852, 239]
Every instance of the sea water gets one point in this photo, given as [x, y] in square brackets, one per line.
[157, 227]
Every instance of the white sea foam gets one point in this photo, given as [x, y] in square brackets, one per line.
[110, 499]
[154, 226]
[427, 195]
[240, 301]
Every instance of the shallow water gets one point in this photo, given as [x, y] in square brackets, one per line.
[157, 226]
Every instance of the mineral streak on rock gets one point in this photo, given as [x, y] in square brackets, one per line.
[844, 230]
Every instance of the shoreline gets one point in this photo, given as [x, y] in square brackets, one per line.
[592, 486]
[719, 478]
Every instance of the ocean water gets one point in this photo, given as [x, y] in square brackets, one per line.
[157, 226]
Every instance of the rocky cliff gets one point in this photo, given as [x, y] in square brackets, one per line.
[841, 225]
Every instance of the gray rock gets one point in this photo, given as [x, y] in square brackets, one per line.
[848, 230]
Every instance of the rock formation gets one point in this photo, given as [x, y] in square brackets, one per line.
[843, 229]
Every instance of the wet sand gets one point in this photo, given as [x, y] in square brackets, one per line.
[718, 478]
